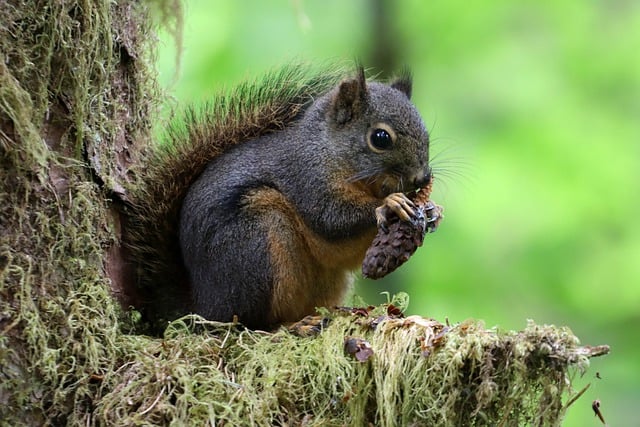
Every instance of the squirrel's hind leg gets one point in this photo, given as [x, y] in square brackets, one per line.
[230, 274]
[301, 282]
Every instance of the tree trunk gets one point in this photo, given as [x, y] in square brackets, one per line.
[77, 96]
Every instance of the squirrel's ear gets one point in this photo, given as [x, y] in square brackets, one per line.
[350, 99]
[404, 83]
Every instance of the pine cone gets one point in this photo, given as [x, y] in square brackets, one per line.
[394, 246]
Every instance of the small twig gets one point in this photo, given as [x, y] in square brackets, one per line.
[596, 408]
[592, 351]
[576, 396]
[154, 402]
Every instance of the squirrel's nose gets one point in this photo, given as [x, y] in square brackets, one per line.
[422, 178]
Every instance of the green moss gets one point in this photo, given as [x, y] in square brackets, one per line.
[63, 91]
[421, 373]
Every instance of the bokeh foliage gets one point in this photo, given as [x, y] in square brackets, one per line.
[533, 108]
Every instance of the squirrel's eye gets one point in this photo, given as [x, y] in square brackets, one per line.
[380, 140]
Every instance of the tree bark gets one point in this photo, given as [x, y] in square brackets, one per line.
[77, 96]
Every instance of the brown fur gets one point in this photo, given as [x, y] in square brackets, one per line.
[309, 270]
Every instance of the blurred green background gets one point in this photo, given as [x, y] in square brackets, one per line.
[534, 111]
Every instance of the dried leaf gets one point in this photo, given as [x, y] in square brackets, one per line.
[358, 348]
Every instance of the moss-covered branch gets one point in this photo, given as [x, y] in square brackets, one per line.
[415, 371]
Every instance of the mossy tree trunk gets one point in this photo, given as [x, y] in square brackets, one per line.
[76, 102]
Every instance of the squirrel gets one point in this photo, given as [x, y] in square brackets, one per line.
[263, 203]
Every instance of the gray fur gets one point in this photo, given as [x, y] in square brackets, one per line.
[223, 243]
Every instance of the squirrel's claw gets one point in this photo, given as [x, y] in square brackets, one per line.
[434, 214]
[398, 204]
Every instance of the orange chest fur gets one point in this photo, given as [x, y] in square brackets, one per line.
[287, 231]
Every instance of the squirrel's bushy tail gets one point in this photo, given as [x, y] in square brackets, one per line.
[166, 171]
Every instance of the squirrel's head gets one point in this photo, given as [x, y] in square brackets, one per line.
[381, 129]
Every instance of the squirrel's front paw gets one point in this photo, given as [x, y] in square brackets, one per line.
[398, 204]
